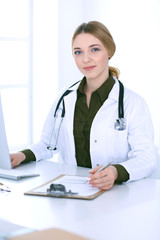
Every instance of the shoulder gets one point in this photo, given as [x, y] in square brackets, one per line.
[135, 105]
[72, 87]
[132, 101]
[131, 96]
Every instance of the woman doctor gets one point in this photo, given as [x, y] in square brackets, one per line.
[83, 130]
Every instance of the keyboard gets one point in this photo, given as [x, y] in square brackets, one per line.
[16, 174]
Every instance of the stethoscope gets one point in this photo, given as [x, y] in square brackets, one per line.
[119, 124]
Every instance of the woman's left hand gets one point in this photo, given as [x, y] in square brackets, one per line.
[104, 180]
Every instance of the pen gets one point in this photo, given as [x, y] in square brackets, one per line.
[103, 167]
[4, 187]
[100, 169]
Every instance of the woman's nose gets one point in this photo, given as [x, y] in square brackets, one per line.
[86, 57]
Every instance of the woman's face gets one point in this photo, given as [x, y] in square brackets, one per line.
[91, 57]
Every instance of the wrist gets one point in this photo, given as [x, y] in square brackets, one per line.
[114, 171]
[22, 156]
[123, 175]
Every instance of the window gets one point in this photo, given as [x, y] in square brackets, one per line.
[16, 69]
[29, 67]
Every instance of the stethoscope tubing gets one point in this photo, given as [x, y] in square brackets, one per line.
[120, 101]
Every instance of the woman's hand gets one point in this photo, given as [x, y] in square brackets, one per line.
[104, 180]
[17, 158]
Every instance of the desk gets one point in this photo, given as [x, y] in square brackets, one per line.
[128, 211]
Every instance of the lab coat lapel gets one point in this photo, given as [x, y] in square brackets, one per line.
[69, 102]
[114, 94]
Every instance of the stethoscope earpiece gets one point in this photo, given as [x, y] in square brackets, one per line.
[50, 148]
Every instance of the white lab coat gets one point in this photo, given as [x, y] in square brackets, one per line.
[132, 147]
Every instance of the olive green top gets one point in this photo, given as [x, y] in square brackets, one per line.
[83, 119]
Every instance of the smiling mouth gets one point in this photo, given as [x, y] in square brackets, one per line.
[89, 68]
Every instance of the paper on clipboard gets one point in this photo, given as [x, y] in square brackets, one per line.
[74, 183]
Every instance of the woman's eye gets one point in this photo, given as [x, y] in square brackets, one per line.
[95, 49]
[77, 52]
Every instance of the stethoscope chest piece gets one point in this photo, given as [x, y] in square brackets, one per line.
[120, 124]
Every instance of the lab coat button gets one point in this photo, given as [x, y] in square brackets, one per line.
[95, 141]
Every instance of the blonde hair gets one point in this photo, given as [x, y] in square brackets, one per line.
[99, 31]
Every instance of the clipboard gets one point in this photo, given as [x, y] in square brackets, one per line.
[67, 186]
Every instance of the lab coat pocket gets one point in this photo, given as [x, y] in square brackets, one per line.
[116, 143]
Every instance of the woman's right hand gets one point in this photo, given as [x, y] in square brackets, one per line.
[17, 158]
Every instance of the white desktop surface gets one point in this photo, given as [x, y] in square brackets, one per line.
[130, 211]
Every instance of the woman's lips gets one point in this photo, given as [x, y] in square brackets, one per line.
[89, 68]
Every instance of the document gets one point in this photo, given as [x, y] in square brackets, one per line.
[75, 186]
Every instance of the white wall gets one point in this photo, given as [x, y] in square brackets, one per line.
[70, 15]
[45, 61]
[135, 26]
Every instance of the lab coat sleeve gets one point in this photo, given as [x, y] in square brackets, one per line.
[40, 148]
[142, 155]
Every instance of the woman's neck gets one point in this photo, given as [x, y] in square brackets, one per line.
[93, 84]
